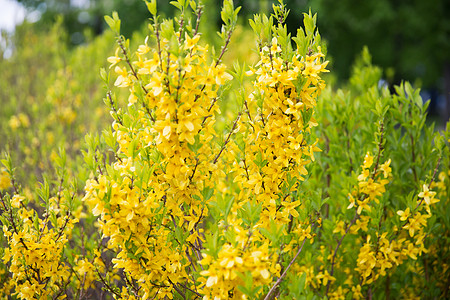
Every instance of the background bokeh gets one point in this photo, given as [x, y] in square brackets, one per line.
[410, 40]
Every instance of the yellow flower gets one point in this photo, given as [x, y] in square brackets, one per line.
[191, 42]
[113, 60]
[123, 80]
[403, 214]
[5, 181]
[143, 49]
[16, 200]
[416, 223]
[386, 168]
[356, 290]
[368, 161]
[325, 277]
[339, 228]
[427, 195]
[221, 75]
[365, 173]
[352, 201]
[14, 122]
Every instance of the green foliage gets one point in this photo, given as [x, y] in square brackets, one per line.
[181, 200]
[51, 100]
[364, 116]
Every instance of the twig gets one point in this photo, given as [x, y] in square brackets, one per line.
[285, 272]
[125, 53]
[355, 217]
[106, 284]
[224, 48]
[111, 101]
[199, 15]
[432, 180]
[228, 138]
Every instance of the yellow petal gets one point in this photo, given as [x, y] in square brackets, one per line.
[189, 125]
[166, 131]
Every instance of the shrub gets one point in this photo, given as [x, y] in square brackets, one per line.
[185, 203]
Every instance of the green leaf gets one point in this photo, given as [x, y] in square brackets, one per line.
[104, 75]
[193, 5]
[151, 6]
[110, 22]
[207, 193]
[177, 4]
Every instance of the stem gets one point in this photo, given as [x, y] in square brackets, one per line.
[195, 169]
[178, 290]
[429, 185]
[127, 59]
[111, 101]
[355, 217]
[248, 113]
[106, 284]
[246, 169]
[280, 279]
[189, 289]
[209, 109]
[61, 230]
[12, 222]
[387, 289]
[413, 158]
[224, 47]
[199, 15]
[228, 138]
[380, 149]
[125, 53]
[181, 24]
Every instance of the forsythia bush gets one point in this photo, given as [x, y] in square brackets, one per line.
[304, 192]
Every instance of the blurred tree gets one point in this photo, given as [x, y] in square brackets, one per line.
[80, 15]
[411, 37]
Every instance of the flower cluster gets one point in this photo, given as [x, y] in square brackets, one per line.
[153, 200]
[267, 162]
[187, 202]
[238, 268]
[35, 248]
[371, 186]
[276, 127]
[389, 251]
[386, 250]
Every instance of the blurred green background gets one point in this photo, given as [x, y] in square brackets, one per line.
[409, 39]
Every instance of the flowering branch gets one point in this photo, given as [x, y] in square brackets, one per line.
[280, 279]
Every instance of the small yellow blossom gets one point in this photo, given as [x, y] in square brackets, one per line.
[16, 201]
[427, 195]
[404, 215]
[368, 161]
[5, 181]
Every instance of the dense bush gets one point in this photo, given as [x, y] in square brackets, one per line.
[255, 182]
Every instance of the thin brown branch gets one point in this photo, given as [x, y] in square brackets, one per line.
[127, 59]
[107, 286]
[431, 182]
[413, 154]
[114, 108]
[199, 15]
[224, 48]
[280, 279]
[228, 138]
[380, 150]
[355, 217]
